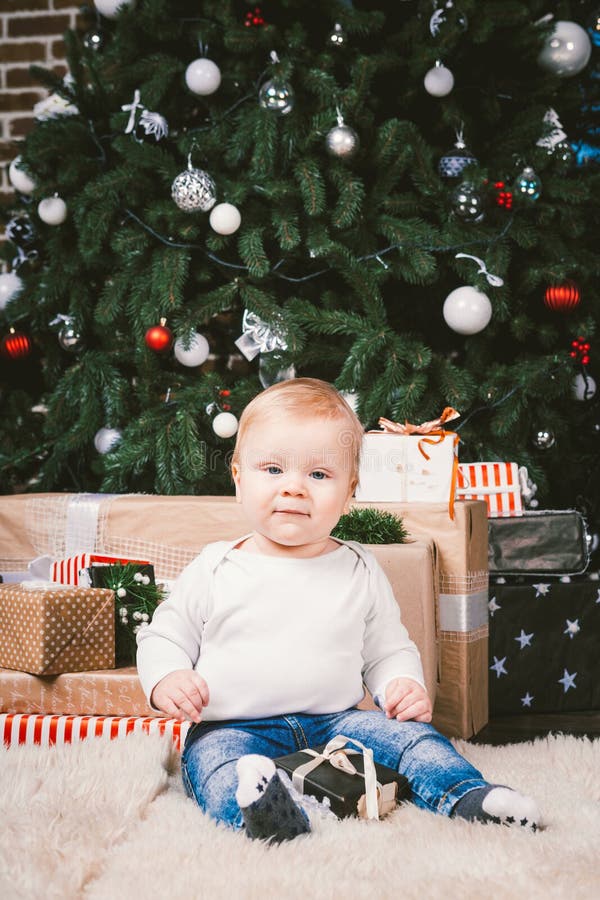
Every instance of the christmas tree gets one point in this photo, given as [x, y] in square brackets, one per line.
[399, 198]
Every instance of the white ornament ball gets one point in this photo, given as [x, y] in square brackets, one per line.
[342, 141]
[567, 50]
[106, 438]
[19, 179]
[203, 77]
[225, 218]
[467, 310]
[225, 425]
[196, 353]
[10, 286]
[111, 8]
[439, 81]
[583, 387]
[52, 210]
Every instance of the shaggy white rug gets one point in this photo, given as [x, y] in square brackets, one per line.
[109, 821]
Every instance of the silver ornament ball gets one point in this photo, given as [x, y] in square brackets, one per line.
[468, 202]
[277, 96]
[543, 438]
[567, 50]
[70, 337]
[194, 190]
[342, 141]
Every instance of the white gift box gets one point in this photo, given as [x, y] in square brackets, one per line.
[498, 483]
[408, 468]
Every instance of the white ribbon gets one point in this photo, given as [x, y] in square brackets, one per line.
[494, 280]
[132, 109]
[82, 523]
[339, 760]
[463, 612]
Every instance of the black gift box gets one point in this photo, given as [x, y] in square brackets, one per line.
[343, 789]
[541, 542]
[544, 646]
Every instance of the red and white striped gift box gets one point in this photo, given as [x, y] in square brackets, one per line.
[66, 571]
[47, 730]
[495, 482]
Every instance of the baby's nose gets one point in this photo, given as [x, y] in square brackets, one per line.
[293, 484]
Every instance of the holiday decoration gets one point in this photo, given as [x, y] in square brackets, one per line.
[52, 210]
[580, 350]
[566, 51]
[254, 18]
[193, 190]
[158, 337]
[193, 352]
[10, 286]
[152, 124]
[20, 230]
[342, 141]
[271, 371]
[106, 439]
[16, 345]
[468, 202]
[337, 38]
[583, 386]
[111, 8]
[504, 197]
[277, 96]
[593, 27]
[467, 310]
[259, 337]
[225, 425]
[69, 335]
[203, 77]
[95, 39]
[543, 438]
[225, 218]
[527, 185]
[562, 297]
[445, 18]
[554, 140]
[53, 107]
[452, 163]
[19, 178]
[439, 80]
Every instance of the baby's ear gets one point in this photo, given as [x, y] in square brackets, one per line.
[235, 474]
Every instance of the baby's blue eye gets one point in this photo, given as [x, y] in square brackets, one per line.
[273, 470]
[318, 475]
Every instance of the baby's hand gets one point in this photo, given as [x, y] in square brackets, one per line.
[405, 699]
[181, 694]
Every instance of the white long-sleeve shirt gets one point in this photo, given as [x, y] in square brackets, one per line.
[273, 635]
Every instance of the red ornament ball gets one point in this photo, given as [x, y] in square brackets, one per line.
[562, 297]
[159, 338]
[16, 345]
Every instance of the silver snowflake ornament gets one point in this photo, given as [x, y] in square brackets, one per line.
[194, 190]
[154, 124]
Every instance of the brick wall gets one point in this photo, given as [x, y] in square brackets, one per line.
[31, 31]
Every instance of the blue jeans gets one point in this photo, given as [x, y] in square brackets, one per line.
[439, 776]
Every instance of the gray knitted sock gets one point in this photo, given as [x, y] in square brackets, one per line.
[268, 810]
[502, 805]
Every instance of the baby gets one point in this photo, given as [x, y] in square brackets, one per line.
[267, 641]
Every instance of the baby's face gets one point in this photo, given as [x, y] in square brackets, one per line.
[294, 482]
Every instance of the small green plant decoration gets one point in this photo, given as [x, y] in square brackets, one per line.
[369, 525]
[136, 598]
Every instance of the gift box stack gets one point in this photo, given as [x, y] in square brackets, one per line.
[544, 615]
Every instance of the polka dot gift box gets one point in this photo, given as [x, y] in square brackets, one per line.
[46, 630]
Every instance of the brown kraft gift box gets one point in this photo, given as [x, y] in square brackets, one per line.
[31, 525]
[45, 631]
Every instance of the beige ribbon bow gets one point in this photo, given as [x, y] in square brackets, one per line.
[447, 415]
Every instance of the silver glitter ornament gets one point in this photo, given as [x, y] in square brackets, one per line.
[468, 202]
[194, 190]
[69, 335]
[277, 96]
[342, 141]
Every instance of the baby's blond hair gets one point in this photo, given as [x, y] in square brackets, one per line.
[304, 397]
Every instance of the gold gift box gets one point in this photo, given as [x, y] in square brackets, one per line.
[45, 631]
